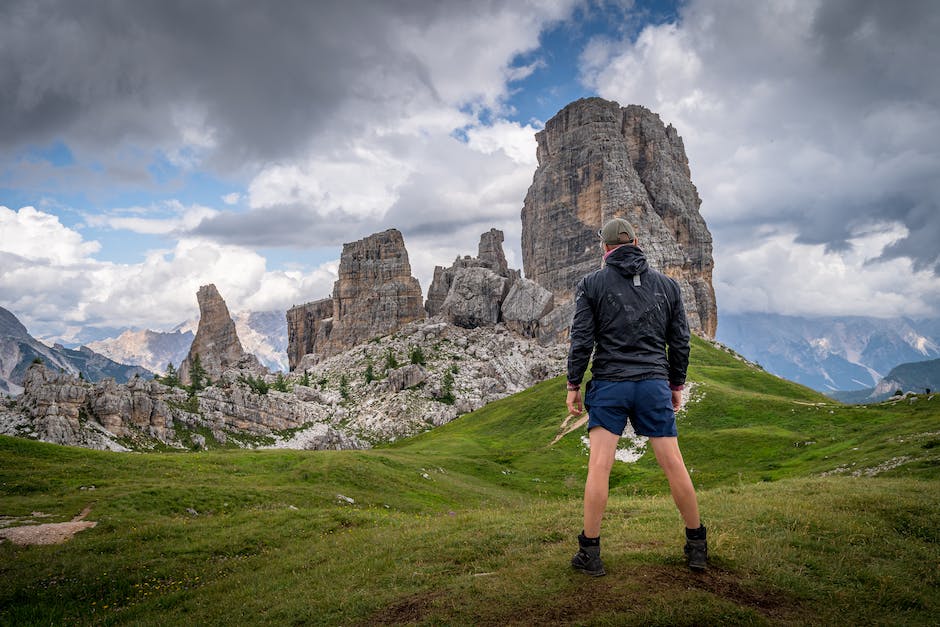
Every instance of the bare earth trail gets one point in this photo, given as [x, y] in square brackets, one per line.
[48, 533]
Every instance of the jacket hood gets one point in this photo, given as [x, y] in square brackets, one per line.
[628, 260]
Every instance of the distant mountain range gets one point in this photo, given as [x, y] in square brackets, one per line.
[918, 377]
[262, 333]
[18, 349]
[830, 353]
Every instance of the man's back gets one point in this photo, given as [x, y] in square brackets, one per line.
[627, 314]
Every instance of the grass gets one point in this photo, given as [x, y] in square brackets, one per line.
[473, 522]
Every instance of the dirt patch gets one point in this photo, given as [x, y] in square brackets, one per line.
[725, 584]
[411, 609]
[48, 533]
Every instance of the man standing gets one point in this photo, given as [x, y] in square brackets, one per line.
[627, 314]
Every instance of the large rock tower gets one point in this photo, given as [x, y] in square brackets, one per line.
[598, 160]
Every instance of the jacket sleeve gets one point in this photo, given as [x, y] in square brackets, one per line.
[582, 335]
[677, 340]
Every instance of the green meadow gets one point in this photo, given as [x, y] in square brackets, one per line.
[818, 513]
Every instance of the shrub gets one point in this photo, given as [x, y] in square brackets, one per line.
[344, 387]
[280, 383]
[390, 362]
[257, 385]
[417, 355]
[447, 388]
[370, 371]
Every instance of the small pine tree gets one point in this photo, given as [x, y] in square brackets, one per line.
[37, 360]
[305, 379]
[199, 379]
[390, 362]
[171, 378]
[417, 355]
[280, 383]
[344, 387]
[370, 371]
[447, 388]
[81, 377]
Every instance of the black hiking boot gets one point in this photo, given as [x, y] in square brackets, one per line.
[588, 561]
[696, 552]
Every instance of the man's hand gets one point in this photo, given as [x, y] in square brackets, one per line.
[676, 400]
[575, 406]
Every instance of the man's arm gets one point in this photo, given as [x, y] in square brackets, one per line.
[677, 341]
[581, 336]
[580, 349]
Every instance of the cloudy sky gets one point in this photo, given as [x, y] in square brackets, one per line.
[150, 147]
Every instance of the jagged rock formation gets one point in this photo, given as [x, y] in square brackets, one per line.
[18, 349]
[216, 342]
[474, 304]
[373, 296]
[598, 160]
[483, 291]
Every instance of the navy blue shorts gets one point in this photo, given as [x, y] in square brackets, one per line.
[647, 404]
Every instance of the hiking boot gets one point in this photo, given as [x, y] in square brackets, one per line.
[696, 552]
[588, 561]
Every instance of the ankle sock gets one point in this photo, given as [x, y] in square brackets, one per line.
[585, 541]
[695, 534]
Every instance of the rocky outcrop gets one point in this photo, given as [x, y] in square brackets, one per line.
[335, 404]
[470, 293]
[216, 342]
[65, 409]
[598, 160]
[374, 295]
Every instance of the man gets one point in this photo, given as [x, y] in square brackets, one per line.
[627, 314]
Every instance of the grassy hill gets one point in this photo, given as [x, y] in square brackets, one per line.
[819, 513]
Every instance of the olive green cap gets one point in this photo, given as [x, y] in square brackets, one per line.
[617, 231]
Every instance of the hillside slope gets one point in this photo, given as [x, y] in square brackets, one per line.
[818, 513]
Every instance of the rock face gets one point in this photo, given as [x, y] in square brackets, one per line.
[303, 325]
[216, 342]
[373, 296]
[597, 161]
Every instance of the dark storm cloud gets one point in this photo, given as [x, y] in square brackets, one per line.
[286, 225]
[266, 77]
[881, 60]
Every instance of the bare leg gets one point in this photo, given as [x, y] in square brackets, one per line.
[680, 484]
[603, 447]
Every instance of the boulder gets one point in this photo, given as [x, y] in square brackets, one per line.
[475, 298]
[526, 304]
[406, 377]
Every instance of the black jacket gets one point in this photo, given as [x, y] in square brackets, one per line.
[628, 322]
